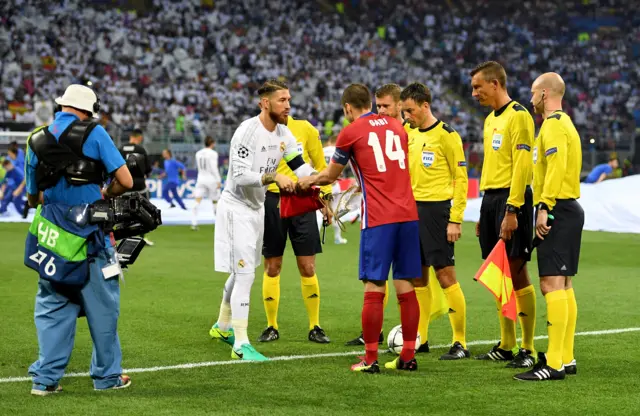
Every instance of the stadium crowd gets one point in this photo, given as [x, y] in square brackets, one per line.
[189, 65]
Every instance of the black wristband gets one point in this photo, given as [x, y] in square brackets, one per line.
[511, 209]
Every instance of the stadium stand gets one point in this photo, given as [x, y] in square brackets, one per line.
[186, 67]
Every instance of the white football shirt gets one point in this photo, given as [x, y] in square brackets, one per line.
[254, 151]
[207, 164]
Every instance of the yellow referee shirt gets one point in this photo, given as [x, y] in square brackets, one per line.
[557, 158]
[309, 146]
[508, 140]
[438, 168]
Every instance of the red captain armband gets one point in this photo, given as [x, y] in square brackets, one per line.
[300, 203]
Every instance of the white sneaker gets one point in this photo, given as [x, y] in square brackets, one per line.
[340, 241]
[148, 242]
[194, 228]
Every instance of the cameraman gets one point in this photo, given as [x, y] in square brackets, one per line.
[58, 302]
[138, 163]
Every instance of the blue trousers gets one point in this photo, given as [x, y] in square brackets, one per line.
[172, 187]
[9, 198]
[57, 309]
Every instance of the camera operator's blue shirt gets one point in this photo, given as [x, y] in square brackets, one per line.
[98, 146]
[172, 167]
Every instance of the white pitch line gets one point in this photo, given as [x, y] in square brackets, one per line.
[304, 357]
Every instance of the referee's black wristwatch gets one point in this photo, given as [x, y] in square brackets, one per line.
[543, 207]
[512, 209]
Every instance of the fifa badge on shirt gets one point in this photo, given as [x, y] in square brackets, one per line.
[496, 140]
[428, 158]
[535, 155]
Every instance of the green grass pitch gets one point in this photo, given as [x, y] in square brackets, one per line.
[171, 298]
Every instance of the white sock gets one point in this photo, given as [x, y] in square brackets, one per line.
[194, 216]
[337, 232]
[240, 307]
[224, 318]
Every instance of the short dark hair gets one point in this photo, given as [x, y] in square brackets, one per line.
[208, 141]
[13, 145]
[6, 162]
[136, 133]
[492, 70]
[389, 89]
[417, 92]
[271, 86]
[357, 95]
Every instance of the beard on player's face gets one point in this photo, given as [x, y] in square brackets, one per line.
[279, 117]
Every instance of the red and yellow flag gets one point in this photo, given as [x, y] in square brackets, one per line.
[495, 275]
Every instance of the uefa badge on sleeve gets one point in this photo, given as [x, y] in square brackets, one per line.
[243, 152]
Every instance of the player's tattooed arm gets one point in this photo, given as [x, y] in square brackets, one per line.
[268, 178]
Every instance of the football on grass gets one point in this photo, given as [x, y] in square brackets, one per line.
[394, 340]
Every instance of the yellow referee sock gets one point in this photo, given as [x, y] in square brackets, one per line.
[572, 317]
[526, 304]
[271, 298]
[424, 300]
[557, 313]
[507, 330]
[457, 313]
[311, 296]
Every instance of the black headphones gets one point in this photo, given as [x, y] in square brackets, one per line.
[96, 105]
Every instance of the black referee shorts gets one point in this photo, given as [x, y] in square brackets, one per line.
[559, 252]
[303, 231]
[435, 250]
[492, 212]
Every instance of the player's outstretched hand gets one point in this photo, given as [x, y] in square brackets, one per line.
[285, 183]
[454, 232]
[305, 183]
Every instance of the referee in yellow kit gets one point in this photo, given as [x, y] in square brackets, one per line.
[557, 157]
[438, 176]
[304, 235]
[507, 205]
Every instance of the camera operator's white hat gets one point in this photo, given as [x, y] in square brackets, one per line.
[80, 97]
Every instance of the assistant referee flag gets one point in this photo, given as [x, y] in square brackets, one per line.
[495, 275]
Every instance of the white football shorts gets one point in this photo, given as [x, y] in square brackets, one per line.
[239, 231]
[207, 189]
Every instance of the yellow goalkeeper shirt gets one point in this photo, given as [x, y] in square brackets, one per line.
[438, 168]
[309, 146]
[557, 158]
[508, 141]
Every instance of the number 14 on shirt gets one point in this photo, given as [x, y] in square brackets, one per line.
[393, 150]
